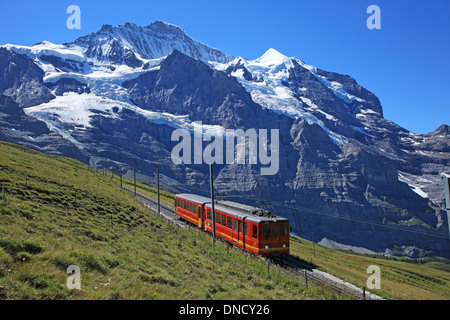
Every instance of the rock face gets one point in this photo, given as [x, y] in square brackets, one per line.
[21, 85]
[22, 79]
[186, 86]
[346, 174]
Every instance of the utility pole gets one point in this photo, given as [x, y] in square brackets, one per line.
[447, 201]
[212, 203]
[314, 248]
[121, 176]
[157, 177]
[135, 182]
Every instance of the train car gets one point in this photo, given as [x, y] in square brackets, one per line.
[250, 228]
[191, 207]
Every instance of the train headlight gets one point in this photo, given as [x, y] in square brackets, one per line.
[284, 246]
[266, 247]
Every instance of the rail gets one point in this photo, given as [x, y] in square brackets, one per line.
[285, 264]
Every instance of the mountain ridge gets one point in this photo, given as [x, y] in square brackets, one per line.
[117, 105]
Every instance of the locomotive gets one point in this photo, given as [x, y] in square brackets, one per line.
[253, 229]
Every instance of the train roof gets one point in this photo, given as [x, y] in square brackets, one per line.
[236, 209]
[194, 198]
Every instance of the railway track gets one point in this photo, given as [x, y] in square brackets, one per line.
[165, 211]
[289, 264]
[311, 276]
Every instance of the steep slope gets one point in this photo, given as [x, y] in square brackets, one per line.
[345, 172]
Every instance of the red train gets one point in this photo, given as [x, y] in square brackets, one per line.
[245, 226]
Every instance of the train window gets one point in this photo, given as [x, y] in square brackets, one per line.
[274, 230]
[240, 226]
[255, 231]
[208, 214]
[235, 224]
[283, 230]
[224, 220]
[245, 228]
[217, 217]
[265, 231]
[230, 222]
[191, 207]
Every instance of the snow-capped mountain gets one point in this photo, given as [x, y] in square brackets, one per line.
[133, 45]
[346, 175]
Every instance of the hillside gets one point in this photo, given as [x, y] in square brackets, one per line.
[58, 213]
[125, 252]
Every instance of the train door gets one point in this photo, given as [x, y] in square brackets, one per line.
[205, 218]
[201, 219]
[234, 232]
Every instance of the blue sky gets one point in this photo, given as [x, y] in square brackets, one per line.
[406, 63]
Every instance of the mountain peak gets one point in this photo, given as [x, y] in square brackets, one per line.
[274, 57]
[158, 39]
[165, 25]
[106, 27]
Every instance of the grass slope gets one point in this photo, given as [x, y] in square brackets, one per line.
[57, 213]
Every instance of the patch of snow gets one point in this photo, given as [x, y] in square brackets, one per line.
[359, 129]
[48, 48]
[77, 111]
[416, 183]
[338, 90]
